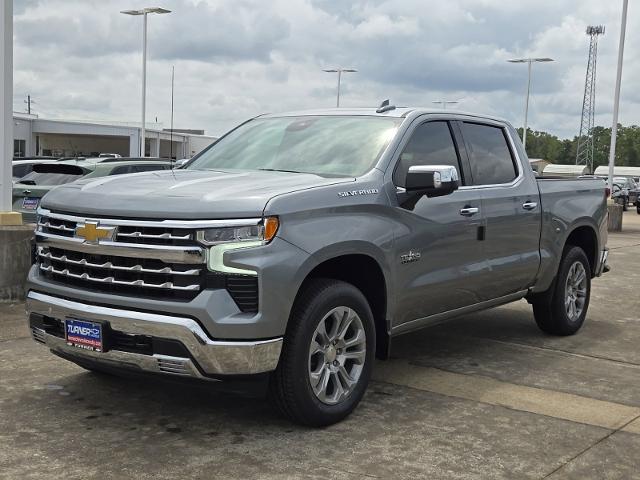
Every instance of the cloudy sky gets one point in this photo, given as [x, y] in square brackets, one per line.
[235, 59]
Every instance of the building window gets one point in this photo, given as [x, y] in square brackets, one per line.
[19, 148]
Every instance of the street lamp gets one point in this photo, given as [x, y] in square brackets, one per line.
[616, 96]
[144, 12]
[339, 71]
[529, 61]
[444, 103]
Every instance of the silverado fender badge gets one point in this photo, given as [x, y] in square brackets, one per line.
[353, 193]
[409, 257]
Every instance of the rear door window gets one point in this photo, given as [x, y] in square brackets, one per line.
[491, 160]
[430, 144]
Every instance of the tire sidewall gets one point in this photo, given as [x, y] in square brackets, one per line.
[339, 294]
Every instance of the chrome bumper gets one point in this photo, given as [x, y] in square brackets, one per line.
[602, 266]
[208, 357]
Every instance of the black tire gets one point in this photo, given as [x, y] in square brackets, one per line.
[290, 386]
[549, 308]
[625, 204]
[638, 207]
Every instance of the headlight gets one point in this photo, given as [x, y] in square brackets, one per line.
[263, 233]
[224, 239]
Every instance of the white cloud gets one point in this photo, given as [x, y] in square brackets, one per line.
[236, 59]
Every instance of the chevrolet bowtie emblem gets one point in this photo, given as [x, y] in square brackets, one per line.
[92, 233]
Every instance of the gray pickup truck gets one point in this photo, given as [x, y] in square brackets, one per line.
[298, 245]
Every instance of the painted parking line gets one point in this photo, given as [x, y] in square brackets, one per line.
[551, 403]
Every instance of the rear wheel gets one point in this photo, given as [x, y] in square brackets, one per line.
[562, 309]
[327, 355]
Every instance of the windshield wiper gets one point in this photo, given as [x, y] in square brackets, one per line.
[28, 182]
[278, 170]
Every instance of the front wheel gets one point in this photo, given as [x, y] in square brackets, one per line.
[562, 309]
[327, 356]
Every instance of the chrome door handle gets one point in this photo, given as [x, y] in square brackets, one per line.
[529, 205]
[469, 211]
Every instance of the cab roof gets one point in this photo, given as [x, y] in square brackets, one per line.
[397, 112]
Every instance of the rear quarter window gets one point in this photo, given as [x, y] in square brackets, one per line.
[491, 159]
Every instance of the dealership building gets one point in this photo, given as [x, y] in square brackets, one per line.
[35, 136]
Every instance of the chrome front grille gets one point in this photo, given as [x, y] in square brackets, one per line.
[154, 235]
[57, 226]
[152, 258]
[119, 274]
[125, 233]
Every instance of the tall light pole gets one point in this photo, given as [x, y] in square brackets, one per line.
[144, 12]
[529, 61]
[444, 103]
[616, 100]
[339, 71]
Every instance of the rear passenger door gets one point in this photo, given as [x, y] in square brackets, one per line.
[511, 210]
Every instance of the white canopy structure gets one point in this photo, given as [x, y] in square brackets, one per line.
[565, 170]
[618, 171]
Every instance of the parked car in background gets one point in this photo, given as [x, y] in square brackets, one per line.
[21, 165]
[630, 186]
[29, 189]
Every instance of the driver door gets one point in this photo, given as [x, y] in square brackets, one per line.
[440, 258]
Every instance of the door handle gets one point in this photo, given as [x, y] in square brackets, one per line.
[469, 211]
[529, 205]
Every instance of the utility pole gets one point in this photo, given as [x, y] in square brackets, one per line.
[28, 101]
[616, 100]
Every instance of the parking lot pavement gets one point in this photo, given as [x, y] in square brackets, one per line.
[484, 396]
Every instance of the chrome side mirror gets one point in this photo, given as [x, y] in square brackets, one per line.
[432, 180]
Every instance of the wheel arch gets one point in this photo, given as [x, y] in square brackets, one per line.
[585, 237]
[365, 273]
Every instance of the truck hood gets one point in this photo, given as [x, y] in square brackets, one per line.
[181, 194]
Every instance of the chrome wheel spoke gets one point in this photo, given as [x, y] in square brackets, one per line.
[320, 388]
[358, 339]
[346, 379]
[315, 348]
[355, 355]
[345, 323]
[321, 331]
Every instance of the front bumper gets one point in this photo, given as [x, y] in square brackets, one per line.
[206, 358]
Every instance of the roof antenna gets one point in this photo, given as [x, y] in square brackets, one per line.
[385, 107]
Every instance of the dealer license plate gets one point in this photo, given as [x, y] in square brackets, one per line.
[83, 334]
[30, 203]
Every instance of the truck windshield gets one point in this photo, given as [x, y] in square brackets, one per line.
[322, 145]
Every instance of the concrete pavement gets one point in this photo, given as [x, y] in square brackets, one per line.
[484, 396]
